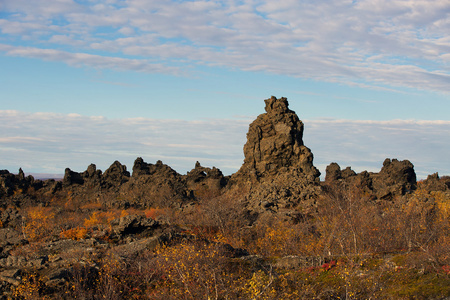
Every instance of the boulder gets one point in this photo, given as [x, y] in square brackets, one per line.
[133, 224]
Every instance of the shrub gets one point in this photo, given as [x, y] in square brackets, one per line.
[38, 222]
[77, 233]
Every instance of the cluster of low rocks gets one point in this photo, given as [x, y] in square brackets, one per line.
[278, 175]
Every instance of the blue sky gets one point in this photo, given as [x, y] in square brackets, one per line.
[92, 81]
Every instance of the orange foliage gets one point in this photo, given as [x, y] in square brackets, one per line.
[104, 217]
[78, 233]
[38, 222]
[154, 212]
[93, 205]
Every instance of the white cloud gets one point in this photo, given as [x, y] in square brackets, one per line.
[49, 142]
[59, 141]
[95, 61]
[364, 144]
[384, 43]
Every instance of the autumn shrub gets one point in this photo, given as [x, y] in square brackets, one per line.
[217, 218]
[38, 222]
[182, 271]
[69, 219]
[104, 217]
[275, 237]
[31, 287]
[348, 221]
[156, 212]
[193, 271]
[77, 233]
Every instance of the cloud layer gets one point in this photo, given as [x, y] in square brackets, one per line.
[395, 43]
[49, 142]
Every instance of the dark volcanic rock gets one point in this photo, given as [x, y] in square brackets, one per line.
[274, 143]
[333, 172]
[278, 174]
[207, 178]
[155, 185]
[10, 217]
[395, 178]
[435, 183]
[141, 168]
[10, 183]
[10, 237]
[286, 193]
[92, 176]
[71, 177]
[115, 175]
[133, 224]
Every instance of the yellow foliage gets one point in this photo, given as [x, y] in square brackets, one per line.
[103, 218]
[275, 239]
[38, 222]
[29, 288]
[443, 204]
[259, 286]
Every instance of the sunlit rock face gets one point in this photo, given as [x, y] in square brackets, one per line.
[278, 174]
[275, 145]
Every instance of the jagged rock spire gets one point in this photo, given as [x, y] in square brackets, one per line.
[275, 143]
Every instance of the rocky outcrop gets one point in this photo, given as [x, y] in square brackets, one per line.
[155, 185]
[133, 224]
[278, 170]
[205, 178]
[71, 177]
[395, 178]
[115, 175]
[10, 183]
[10, 238]
[275, 144]
[10, 217]
[435, 183]
[277, 175]
[290, 194]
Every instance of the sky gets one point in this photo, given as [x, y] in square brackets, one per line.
[92, 81]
